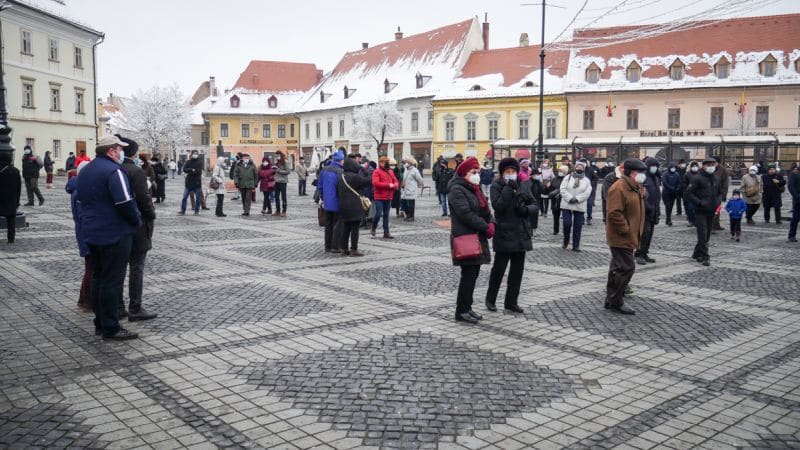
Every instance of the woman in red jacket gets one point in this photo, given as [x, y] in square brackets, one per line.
[266, 183]
[385, 184]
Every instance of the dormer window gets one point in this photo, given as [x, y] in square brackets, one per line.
[634, 72]
[722, 69]
[476, 87]
[272, 102]
[387, 86]
[235, 101]
[422, 80]
[768, 66]
[797, 65]
[323, 96]
[528, 84]
[593, 73]
[348, 92]
[677, 69]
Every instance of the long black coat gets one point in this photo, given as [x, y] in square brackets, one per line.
[10, 190]
[704, 192]
[512, 217]
[142, 240]
[467, 217]
[772, 194]
[350, 209]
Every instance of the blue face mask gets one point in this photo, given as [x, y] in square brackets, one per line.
[121, 157]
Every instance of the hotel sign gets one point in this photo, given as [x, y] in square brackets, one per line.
[256, 141]
[664, 133]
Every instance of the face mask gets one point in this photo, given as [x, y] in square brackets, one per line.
[695, 169]
[545, 166]
[753, 172]
[579, 171]
[474, 178]
[672, 169]
[594, 163]
[512, 177]
[710, 169]
[561, 174]
[386, 166]
[736, 197]
[138, 162]
[610, 164]
[121, 158]
[27, 152]
[265, 164]
[683, 166]
[246, 161]
[653, 170]
[194, 156]
[537, 177]
[640, 178]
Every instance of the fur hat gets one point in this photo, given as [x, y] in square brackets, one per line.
[507, 163]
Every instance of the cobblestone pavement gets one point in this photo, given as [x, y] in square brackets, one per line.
[265, 341]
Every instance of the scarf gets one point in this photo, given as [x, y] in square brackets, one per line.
[481, 198]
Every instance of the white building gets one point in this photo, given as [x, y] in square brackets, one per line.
[49, 66]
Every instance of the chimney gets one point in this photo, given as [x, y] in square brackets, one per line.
[398, 35]
[486, 31]
[365, 45]
[212, 87]
[523, 40]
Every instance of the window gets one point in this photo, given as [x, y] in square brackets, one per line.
[29, 142]
[420, 81]
[272, 102]
[797, 65]
[56, 148]
[632, 119]
[291, 130]
[245, 130]
[235, 101]
[593, 73]
[493, 130]
[53, 49]
[430, 120]
[762, 116]
[768, 66]
[55, 99]
[716, 117]
[588, 119]
[319, 130]
[27, 95]
[78, 57]
[550, 128]
[27, 45]
[204, 138]
[676, 70]
[330, 128]
[798, 116]
[449, 130]
[634, 72]
[266, 130]
[673, 118]
[341, 127]
[470, 130]
[223, 130]
[348, 92]
[281, 131]
[722, 69]
[476, 87]
[308, 131]
[523, 128]
[529, 84]
[415, 122]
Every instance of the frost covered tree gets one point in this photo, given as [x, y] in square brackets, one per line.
[376, 122]
[161, 117]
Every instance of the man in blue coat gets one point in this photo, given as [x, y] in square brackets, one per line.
[109, 219]
[327, 185]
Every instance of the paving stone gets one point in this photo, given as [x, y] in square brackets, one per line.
[762, 284]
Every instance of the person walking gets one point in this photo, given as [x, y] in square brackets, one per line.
[161, 179]
[652, 210]
[575, 191]
[671, 181]
[245, 176]
[351, 210]
[266, 184]
[752, 187]
[705, 194]
[85, 295]
[794, 190]
[694, 170]
[302, 177]
[470, 216]
[172, 168]
[142, 239]
[736, 208]
[547, 179]
[555, 198]
[193, 182]
[109, 219]
[384, 183]
[218, 176]
[327, 185]
[513, 207]
[31, 166]
[625, 222]
[48, 169]
[411, 184]
[442, 174]
[724, 177]
[10, 193]
[281, 181]
[774, 187]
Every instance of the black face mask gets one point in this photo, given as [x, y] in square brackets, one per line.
[579, 172]
[386, 166]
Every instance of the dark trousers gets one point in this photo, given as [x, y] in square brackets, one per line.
[85, 298]
[703, 223]
[443, 202]
[669, 202]
[11, 227]
[795, 219]
[198, 193]
[301, 187]
[266, 205]
[573, 222]
[690, 215]
[544, 203]
[777, 213]
[501, 260]
[620, 272]
[466, 288]
[556, 217]
[752, 208]
[349, 234]
[382, 208]
[32, 188]
[604, 210]
[679, 200]
[161, 190]
[331, 222]
[736, 226]
[247, 199]
[220, 202]
[410, 208]
[590, 205]
[136, 280]
[647, 237]
[109, 263]
[280, 197]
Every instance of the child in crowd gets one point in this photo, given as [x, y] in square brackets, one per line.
[736, 208]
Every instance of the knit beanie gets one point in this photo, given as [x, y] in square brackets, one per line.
[470, 163]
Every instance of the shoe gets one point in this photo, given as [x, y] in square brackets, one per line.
[706, 263]
[589, 223]
[197, 213]
[669, 223]
[41, 202]
[408, 219]
[628, 290]
[791, 239]
[649, 259]
[607, 305]
[737, 238]
[141, 314]
[372, 230]
[733, 237]
[283, 214]
[555, 233]
[564, 246]
[276, 214]
[222, 215]
[475, 315]
[98, 332]
[515, 309]
[204, 208]
[356, 253]
[181, 213]
[640, 260]
[122, 335]
[336, 250]
[388, 236]
[697, 258]
[346, 253]
[622, 309]
[444, 215]
[263, 211]
[123, 313]
[751, 222]
[576, 249]
[85, 308]
[466, 317]
[28, 204]
[690, 224]
[491, 306]
[777, 222]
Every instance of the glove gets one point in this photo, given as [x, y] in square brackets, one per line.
[512, 184]
[573, 201]
[521, 210]
[490, 230]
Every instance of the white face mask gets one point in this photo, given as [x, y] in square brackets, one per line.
[710, 169]
[672, 169]
[653, 170]
[537, 177]
[194, 156]
[640, 178]
[683, 166]
[474, 178]
[512, 177]
[695, 169]
[246, 161]
[753, 172]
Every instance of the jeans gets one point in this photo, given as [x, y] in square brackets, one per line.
[136, 280]
[501, 260]
[736, 226]
[198, 193]
[266, 206]
[620, 272]
[382, 208]
[647, 237]
[301, 187]
[590, 205]
[571, 218]
[690, 216]
[349, 233]
[795, 219]
[280, 197]
[220, 201]
[331, 230]
[703, 223]
[443, 202]
[109, 264]
[466, 288]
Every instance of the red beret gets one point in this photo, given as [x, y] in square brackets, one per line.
[470, 163]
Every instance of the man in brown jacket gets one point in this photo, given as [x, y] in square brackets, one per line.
[625, 218]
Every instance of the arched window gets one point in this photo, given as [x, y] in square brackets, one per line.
[272, 102]
[634, 72]
[235, 101]
[768, 66]
[677, 69]
[722, 69]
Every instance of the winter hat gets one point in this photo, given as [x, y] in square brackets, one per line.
[82, 165]
[506, 163]
[459, 156]
[132, 147]
[524, 162]
[338, 156]
[580, 163]
[27, 150]
[753, 168]
[470, 163]
[392, 161]
[736, 192]
[265, 159]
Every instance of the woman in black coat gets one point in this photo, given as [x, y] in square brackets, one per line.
[351, 213]
[161, 178]
[10, 191]
[513, 208]
[774, 185]
[469, 211]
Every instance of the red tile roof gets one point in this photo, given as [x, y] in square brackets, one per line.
[278, 76]
[514, 63]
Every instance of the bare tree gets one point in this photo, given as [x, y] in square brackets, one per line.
[161, 117]
[376, 122]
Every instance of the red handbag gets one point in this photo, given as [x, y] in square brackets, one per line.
[466, 247]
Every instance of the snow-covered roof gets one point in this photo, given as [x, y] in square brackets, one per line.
[252, 102]
[113, 116]
[202, 107]
[743, 42]
[437, 56]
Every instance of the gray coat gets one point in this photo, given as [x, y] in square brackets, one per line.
[411, 183]
[282, 174]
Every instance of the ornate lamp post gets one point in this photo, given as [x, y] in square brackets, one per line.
[5, 128]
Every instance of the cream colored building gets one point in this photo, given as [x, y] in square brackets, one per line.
[49, 65]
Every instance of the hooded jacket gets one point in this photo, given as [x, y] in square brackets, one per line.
[266, 178]
[772, 189]
[704, 192]
[328, 183]
[512, 211]
[381, 179]
[652, 185]
[218, 174]
[569, 191]
[282, 172]
[671, 181]
[194, 173]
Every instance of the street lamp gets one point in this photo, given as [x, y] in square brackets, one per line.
[5, 128]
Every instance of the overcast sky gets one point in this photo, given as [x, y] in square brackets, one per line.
[185, 41]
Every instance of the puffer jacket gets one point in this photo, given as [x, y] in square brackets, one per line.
[569, 191]
[327, 186]
[219, 175]
[467, 217]
[411, 183]
[381, 179]
[266, 178]
[513, 207]
[704, 192]
[246, 176]
[442, 176]
[671, 181]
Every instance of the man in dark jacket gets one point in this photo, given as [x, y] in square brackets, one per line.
[680, 202]
[652, 210]
[794, 189]
[10, 192]
[442, 174]
[109, 219]
[774, 185]
[693, 171]
[593, 174]
[724, 177]
[704, 193]
[193, 182]
[351, 211]
[70, 162]
[671, 180]
[142, 240]
[327, 185]
[31, 166]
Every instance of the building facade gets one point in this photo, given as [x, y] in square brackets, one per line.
[49, 66]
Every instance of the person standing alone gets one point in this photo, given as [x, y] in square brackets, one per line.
[193, 182]
[705, 194]
[31, 166]
[10, 192]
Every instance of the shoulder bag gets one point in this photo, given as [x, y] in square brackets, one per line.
[365, 202]
[467, 246]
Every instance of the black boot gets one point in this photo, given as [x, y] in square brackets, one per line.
[140, 314]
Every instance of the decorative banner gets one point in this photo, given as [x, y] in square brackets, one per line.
[742, 103]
